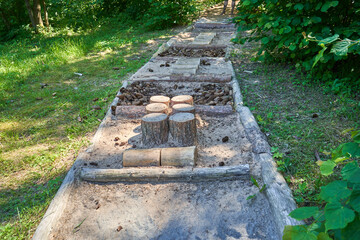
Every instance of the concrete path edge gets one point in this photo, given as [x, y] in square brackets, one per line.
[277, 191]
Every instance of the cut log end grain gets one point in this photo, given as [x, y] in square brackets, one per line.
[160, 99]
[141, 158]
[182, 99]
[155, 129]
[156, 108]
[183, 129]
[183, 107]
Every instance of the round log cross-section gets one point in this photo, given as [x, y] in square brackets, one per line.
[156, 108]
[182, 99]
[183, 107]
[160, 99]
[155, 129]
[183, 129]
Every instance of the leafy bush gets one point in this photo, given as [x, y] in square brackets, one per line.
[297, 31]
[340, 218]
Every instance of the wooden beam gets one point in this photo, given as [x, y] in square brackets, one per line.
[158, 174]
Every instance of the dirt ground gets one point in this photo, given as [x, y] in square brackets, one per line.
[218, 142]
[210, 210]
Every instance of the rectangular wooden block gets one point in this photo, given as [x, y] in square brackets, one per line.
[141, 157]
[214, 110]
[132, 112]
[178, 157]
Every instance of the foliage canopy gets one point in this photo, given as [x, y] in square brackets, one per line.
[320, 37]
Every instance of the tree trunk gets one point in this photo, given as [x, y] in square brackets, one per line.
[37, 13]
[183, 129]
[46, 16]
[5, 20]
[155, 129]
[31, 14]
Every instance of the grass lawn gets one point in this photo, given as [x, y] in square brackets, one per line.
[300, 120]
[54, 90]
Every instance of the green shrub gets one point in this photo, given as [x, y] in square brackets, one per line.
[296, 32]
[340, 218]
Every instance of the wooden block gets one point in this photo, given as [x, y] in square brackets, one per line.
[130, 111]
[156, 108]
[160, 99]
[214, 110]
[141, 158]
[183, 107]
[182, 99]
[178, 157]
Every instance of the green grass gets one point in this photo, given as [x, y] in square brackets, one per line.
[299, 120]
[43, 129]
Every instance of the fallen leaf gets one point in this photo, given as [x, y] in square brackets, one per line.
[54, 94]
[116, 68]
[95, 99]
[99, 120]
[38, 98]
[119, 228]
[79, 119]
[315, 115]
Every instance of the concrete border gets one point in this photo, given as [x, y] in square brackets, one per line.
[277, 191]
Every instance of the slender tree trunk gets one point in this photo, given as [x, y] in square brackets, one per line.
[31, 14]
[37, 13]
[46, 16]
[4, 18]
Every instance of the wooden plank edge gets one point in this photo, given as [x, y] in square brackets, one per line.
[157, 174]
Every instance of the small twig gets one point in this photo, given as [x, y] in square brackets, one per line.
[77, 228]
[317, 156]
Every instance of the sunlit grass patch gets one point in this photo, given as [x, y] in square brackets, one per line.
[48, 88]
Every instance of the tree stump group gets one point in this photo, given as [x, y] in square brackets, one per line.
[181, 124]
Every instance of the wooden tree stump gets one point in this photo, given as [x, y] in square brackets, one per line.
[182, 99]
[155, 129]
[160, 99]
[183, 107]
[156, 108]
[183, 128]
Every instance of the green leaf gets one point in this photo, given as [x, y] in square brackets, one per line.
[253, 180]
[299, 232]
[323, 236]
[327, 167]
[328, 5]
[349, 170]
[351, 148]
[335, 191]
[251, 197]
[265, 40]
[352, 230]
[292, 47]
[298, 6]
[355, 178]
[304, 212]
[246, 2]
[319, 55]
[337, 216]
[341, 48]
[329, 39]
[354, 200]
[287, 29]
